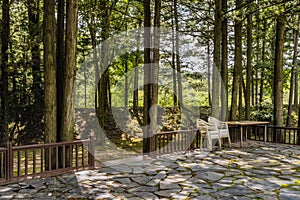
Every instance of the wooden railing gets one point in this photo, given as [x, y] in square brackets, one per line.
[285, 135]
[188, 140]
[34, 161]
[175, 141]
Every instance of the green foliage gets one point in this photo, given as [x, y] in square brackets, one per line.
[262, 112]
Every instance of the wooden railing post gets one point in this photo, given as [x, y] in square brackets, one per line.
[9, 162]
[91, 150]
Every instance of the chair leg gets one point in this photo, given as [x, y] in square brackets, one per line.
[209, 143]
[201, 143]
[220, 145]
[229, 141]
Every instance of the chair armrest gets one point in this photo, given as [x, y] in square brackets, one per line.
[223, 125]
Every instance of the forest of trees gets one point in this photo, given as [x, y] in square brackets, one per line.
[249, 63]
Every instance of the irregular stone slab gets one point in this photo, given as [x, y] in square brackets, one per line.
[167, 193]
[138, 170]
[203, 197]
[238, 191]
[262, 185]
[286, 194]
[103, 196]
[164, 185]
[141, 180]
[122, 168]
[145, 195]
[210, 176]
[143, 189]
[176, 178]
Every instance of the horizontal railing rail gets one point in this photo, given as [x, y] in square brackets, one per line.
[41, 160]
[188, 140]
[276, 134]
[175, 141]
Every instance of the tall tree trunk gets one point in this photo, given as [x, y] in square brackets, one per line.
[50, 71]
[296, 67]
[50, 78]
[104, 79]
[67, 126]
[255, 71]
[278, 72]
[147, 75]
[60, 61]
[155, 71]
[136, 77]
[178, 67]
[224, 70]
[293, 77]
[262, 73]
[249, 65]
[217, 59]
[5, 31]
[34, 32]
[208, 73]
[126, 82]
[237, 64]
[175, 100]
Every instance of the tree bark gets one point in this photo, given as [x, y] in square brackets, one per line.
[174, 74]
[217, 59]
[296, 67]
[126, 82]
[237, 64]
[60, 61]
[293, 77]
[224, 69]
[147, 75]
[67, 126]
[50, 79]
[249, 66]
[278, 72]
[136, 77]
[155, 71]
[5, 31]
[262, 72]
[178, 67]
[50, 71]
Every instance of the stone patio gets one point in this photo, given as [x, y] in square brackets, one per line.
[257, 171]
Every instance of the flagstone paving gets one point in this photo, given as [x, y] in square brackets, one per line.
[258, 171]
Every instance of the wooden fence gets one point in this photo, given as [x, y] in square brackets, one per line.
[175, 141]
[189, 140]
[284, 135]
[18, 163]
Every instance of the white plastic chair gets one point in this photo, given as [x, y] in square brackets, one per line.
[208, 131]
[222, 127]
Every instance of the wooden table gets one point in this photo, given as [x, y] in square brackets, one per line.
[242, 124]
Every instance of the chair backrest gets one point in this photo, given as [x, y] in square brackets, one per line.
[206, 126]
[220, 124]
[202, 125]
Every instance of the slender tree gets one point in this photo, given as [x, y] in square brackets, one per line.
[249, 65]
[237, 64]
[278, 72]
[5, 30]
[67, 126]
[147, 75]
[177, 47]
[217, 58]
[155, 71]
[50, 71]
[136, 75]
[60, 61]
[224, 68]
[293, 77]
